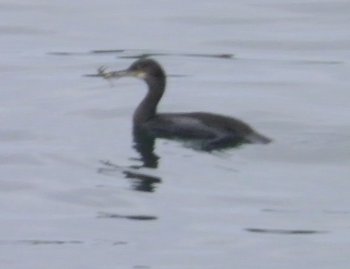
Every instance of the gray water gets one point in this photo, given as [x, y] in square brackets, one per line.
[75, 193]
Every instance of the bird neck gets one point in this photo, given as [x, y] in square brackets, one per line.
[147, 109]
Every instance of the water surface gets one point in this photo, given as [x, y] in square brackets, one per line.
[74, 191]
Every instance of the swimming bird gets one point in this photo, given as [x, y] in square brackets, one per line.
[213, 130]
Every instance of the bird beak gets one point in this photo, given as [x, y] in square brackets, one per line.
[119, 74]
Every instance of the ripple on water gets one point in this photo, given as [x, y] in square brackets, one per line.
[104, 215]
[284, 231]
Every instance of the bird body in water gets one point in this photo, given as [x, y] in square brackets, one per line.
[213, 130]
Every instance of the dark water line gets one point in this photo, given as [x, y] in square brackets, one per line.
[283, 231]
[104, 215]
[137, 54]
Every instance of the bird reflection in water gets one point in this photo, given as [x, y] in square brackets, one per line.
[144, 144]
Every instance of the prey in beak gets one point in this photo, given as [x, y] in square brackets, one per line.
[101, 72]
